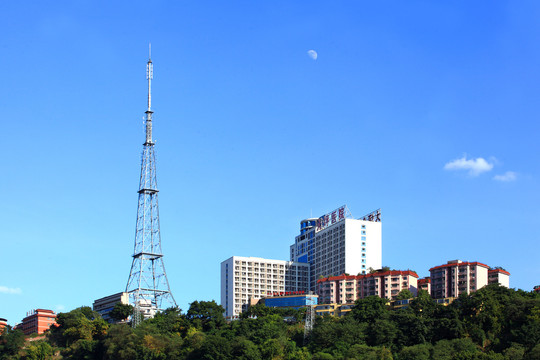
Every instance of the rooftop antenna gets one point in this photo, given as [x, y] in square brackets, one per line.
[149, 112]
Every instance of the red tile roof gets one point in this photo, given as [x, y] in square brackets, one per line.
[378, 274]
[499, 271]
[464, 263]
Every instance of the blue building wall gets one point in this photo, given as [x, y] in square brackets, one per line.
[295, 301]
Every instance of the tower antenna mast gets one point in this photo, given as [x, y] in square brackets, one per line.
[147, 285]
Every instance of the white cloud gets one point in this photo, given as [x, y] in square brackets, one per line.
[7, 290]
[474, 166]
[312, 54]
[506, 177]
[60, 307]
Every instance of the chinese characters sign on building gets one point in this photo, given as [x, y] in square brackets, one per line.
[374, 216]
[331, 218]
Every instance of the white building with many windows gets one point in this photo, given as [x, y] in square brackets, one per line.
[335, 243]
[245, 278]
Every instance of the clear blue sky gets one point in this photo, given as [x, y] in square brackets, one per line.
[428, 110]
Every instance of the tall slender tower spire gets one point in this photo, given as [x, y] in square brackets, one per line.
[147, 285]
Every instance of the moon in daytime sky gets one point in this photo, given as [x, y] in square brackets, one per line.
[312, 54]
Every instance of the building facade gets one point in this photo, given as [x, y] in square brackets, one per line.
[457, 277]
[37, 321]
[334, 244]
[346, 289]
[3, 324]
[245, 278]
[106, 304]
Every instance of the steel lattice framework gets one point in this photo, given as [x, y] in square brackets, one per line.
[147, 285]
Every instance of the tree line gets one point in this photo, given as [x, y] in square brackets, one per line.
[493, 323]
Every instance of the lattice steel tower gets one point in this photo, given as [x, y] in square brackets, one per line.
[147, 285]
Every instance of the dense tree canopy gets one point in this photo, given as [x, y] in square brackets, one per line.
[493, 323]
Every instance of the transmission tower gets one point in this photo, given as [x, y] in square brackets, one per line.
[147, 285]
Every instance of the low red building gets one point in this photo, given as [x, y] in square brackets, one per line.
[37, 321]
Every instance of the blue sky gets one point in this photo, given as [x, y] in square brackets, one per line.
[428, 110]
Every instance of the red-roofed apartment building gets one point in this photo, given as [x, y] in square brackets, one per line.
[346, 289]
[457, 277]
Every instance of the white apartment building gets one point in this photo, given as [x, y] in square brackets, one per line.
[245, 278]
[334, 244]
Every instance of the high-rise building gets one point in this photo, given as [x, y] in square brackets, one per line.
[37, 321]
[457, 277]
[346, 289]
[147, 285]
[336, 243]
[245, 278]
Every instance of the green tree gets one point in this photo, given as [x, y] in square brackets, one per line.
[78, 324]
[244, 349]
[206, 314]
[416, 352]
[121, 311]
[11, 341]
[404, 295]
[423, 304]
[369, 309]
[39, 350]
[514, 352]
[455, 349]
[120, 343]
